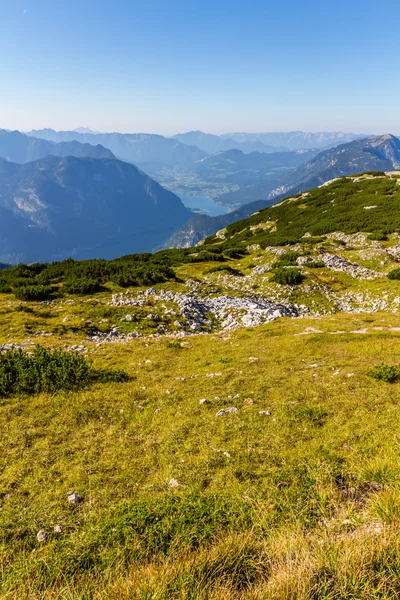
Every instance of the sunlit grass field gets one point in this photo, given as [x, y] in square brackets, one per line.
[180, 503]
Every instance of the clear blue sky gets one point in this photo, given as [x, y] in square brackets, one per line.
[218, 65]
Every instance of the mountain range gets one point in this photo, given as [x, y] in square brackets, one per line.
[20, 148]
[378, 153]
[150, 152]
[214, 143]
[296, 140]
[58, 207]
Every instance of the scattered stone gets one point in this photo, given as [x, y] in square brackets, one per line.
[157, 411]
[264, 413]
[41, 535]
[248, 401]
[57, 529]
[74, 498]
[203, 401]
[226, 411]
[173, 484]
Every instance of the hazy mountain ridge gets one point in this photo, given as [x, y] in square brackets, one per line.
[82, 207]
[297, 140]
[211, 143]
[149, 151]
[17, 147]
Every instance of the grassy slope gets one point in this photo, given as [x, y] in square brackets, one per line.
[299, 479]
[303, 503]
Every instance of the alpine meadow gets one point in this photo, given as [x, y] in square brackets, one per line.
[199, 301]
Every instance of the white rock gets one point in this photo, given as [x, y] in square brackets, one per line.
[173, 484]
[74, 498]
[41, 535]
[226, 411]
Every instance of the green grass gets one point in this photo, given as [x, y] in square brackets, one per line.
[325, 456]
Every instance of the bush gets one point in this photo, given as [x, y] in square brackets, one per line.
[289, 276]
[225, 268]
[173, 345]
[110, 376]
[81, 286]
[387, 373]
[315, 264]
[395, 274]
[49, 371]
[23, 308]
[5, 288]
[379, 236]
[34, 292]
[235, 252]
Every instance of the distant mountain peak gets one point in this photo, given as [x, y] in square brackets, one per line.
[85, 130]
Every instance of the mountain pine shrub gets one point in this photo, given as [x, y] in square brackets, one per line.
[49, 371]
[287, 276]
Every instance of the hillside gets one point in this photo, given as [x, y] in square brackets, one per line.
[225, 424]
[379, 153]
[19, 148]
[59, 207]
[150, 152]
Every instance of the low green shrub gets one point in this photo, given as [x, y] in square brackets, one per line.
[387, 373]
[34, 292]
[379, 236]
[225, 268]
[110, 376]
[49, 371]
[5, 288]
[23, 308]
[315, 264]
[287, 276]
[395, 274]
[81, 286]
[174, 345]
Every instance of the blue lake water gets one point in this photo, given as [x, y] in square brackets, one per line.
[205, 205]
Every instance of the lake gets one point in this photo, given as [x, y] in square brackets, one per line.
[204, 205]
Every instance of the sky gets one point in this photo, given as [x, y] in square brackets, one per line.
[169, 66]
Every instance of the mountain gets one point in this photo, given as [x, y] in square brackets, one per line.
[296, 140]
[213, 143]
[85, 130]
[150, 152]
[82, 207]
[81, 150]
[378, 153]
[250, 176]
[19, 148]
